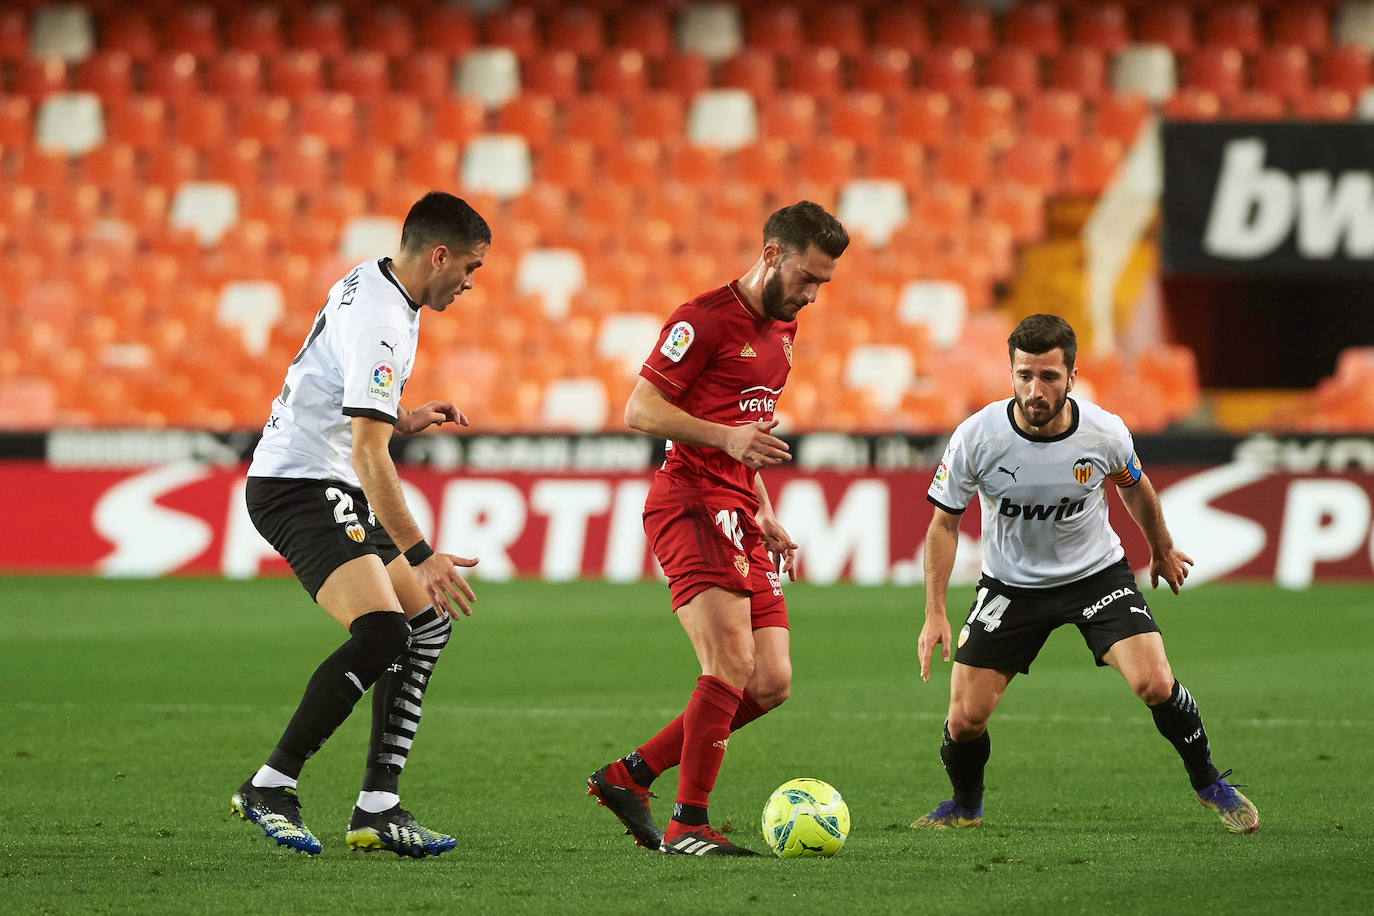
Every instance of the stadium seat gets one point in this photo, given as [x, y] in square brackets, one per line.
[141, 122]
[167, 168]
[362, 73]
[901, 26]
[513, 27]
[1324, 104]
[697, 166]
[838, 26]
[634, 164]
[369, 237]
[988, 119]
[818, 72]
[827, 163]
[1080, 70]
[1146, 69]
[896, 160]
[965, 166]
[235, 75]
[497, 164]
[883, 370]
[303, 163]
[16, 122]
[713, 30]
[1218, 70]
[575, 405]
[750, 69]
[390, 32]
[621, 73]
[1282, 71]
[108, 74]
[1233, 24]
[647, 29]
[1018, 207]
[174, 76]
[1192, 104]
[533, 117]
[70, 122]
[575, 28]
[1032, 161]
[251, 307]
[426, 75]
[1015, 69]
[447, 29]
[886, 71]
[553, 275]
[556, 74]
[36, 78]
[62, 31]
[207, 209]
[331, 116]
[256, 28]
[1055, 115]
[1033, 25]
[1347, 67]
[967, 26]
[14, 33]
[490, 75]
[431, 165]
[926, 117]
[685, 74]
[570, 164]
[1256, 105]
[722, 118]
[873, 208]
[129, 31]
[268, 119]
[1301, 25]
[790, 116]
[593, 118]
[457, 118]
[320, 27]
[112, 165]
[1092, 165]
[940, 306]
[1101, 26]
[1121, 115]
[627, 338]
[1169, 24]
[949, 69]
[657, 115]
[857, 116]
[367, 166]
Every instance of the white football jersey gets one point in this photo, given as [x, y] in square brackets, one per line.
[355, 362]
[1044, 505]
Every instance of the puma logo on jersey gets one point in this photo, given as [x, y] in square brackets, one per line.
[1141, 610]
[1011, 473]
[1031, 513]
[391, 347]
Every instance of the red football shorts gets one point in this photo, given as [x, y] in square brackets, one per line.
[701, 546]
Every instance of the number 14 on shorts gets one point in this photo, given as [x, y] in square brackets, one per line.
[988, 613]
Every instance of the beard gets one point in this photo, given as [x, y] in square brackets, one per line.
[1041, 416]
[773, 304]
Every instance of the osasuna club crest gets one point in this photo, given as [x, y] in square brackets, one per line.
[742, 564]
[787, 348]
[1082, 470]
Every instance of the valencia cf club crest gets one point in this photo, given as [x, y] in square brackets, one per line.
[787, 348]
[1082, 470]
[742, 564]
[356, 532]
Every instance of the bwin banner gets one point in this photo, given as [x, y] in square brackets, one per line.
[1275, 199]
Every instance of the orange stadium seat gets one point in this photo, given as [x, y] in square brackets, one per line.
[448, 29]
[331, 116]
[238, 163]
[774, 29]
[570, 163]
[752, 69]
[368, 167]
[457, 118]
[699, 166]
[235, 75]
[1256, 105]
[988, 118]
[555, 74]
[949, 69]
[1014, 69]
[903, 27]
[593, 118]
[1080, 70]
[925, 116]
[1216, 69]
[268, 119]
[395, 120]
[886, 71]
[1021, 209]
[432, 165]
[647, 29]
[657, 115]
[1092, 165]
[113, 165]
[1055, 115]
[633, 163]
[1302, 25]
[193, 28]
[256, 28]
[860, 117]
[685, 73]
[789, 116]
[967, 26]
[426, 75]
[965, 166]
[320, 27]
[898, 160]
[1100, 25]
[202, 123]
[816, 71]
[1033, 25]
[171, 165]
[140, 122]
[1347, 68]
[1032, 161]
[533, 117]
[837, 25]
[390, 31]
[1169, 24]
[827, 162]
[577, 29]
[109, 74]
[1324, 104]
[516, 28]
[1233, 24]
[363, 73]
[16, 122]
[1121, 115]
[174, 76]
[14, 33]
[765, 165]
[295, 73]
[1283, 71]
[303, 163]
[621, 73]
[37, 78]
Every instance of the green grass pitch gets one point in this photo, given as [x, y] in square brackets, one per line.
[133, 709]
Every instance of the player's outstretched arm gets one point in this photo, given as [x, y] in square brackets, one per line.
[776, 541]
[1167, 562]
[438, 575]
[430, 413]
[751, 444]
[942, 541]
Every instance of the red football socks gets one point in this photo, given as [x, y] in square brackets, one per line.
[705, 732]
[664, 750]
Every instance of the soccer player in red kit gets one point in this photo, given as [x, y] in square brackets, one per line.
[710, 387]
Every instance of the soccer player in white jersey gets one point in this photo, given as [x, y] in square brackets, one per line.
[323, 490]
[1039, 463]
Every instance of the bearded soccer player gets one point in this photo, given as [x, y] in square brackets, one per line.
[323, 491]
[1039, 463]
[710, 388]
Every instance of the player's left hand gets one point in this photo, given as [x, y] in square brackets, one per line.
[1171, 566]
[780, 547]
[431, 413]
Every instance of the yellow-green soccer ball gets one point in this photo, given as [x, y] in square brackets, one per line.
[805, 817]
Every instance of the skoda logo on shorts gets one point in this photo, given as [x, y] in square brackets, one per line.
[356, 532]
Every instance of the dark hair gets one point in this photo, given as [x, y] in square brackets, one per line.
[804, 224]
[439, 218]
[1041, 334]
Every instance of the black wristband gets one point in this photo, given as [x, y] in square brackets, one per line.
[420, 552]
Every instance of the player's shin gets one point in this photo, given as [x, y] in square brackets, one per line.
[1179, 720]
[664, 750]
[705, 731]
[396, 707]
[964, 762]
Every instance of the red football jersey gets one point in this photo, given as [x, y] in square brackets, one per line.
[718, 360]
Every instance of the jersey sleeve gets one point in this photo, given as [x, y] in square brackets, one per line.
[952, 487]
[371, 371]
[1126, 466]
[683, 350]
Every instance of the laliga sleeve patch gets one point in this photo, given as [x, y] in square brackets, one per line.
[381, 386]
[679, 339]
[941, 475]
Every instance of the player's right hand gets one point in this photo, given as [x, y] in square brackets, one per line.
[935, 632]
[753, 445]
[440, 579]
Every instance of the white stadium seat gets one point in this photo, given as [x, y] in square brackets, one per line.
[713, 30]
[490, 75]
[369, 237]
[207, 208]
[62, 30]
[939, 305]
[885, 370]
[70, 122]
[874, 208]
[1147, 69]
[497, 164]
[552, 274]
[1355, 24]
[725, 119]
[252, 306]
[628, 338]
[575, 405]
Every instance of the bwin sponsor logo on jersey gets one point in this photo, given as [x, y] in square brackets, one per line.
[1032, 513]
[1256, 208]
[1105, 600]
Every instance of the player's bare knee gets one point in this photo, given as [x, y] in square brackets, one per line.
[1156, 688]
[771, 694]
[963, 726]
